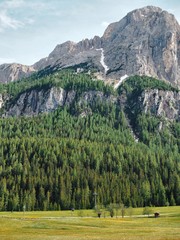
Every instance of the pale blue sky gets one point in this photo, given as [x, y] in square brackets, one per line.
[30, 29]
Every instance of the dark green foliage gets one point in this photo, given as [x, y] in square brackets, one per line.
[58, 160]
[61, 173]
[66, 79]
[137, 84]
[145, 125]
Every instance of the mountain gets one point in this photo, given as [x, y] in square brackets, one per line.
[145, 42]
[70, 54]
[65, 135]
[12, 72]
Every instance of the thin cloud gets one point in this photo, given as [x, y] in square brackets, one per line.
[29, 21]
[13, 3]
[7, 21]
[12, 14]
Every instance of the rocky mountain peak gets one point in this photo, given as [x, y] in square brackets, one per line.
[63, 48]
[146, 19]
[70, 54]
[132, 18]
[145, 42]
[144, 12]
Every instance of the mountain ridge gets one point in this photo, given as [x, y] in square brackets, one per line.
[145, 42]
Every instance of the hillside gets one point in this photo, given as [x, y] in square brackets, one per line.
[66, 136]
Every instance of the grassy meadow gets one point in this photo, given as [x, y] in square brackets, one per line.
[84, 224]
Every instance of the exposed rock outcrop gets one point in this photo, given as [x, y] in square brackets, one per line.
[161, 103]
[37, 101]
[1, 101]
[71, 54]
[94, 96]
[13, 72]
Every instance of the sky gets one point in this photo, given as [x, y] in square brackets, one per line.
[30, 29]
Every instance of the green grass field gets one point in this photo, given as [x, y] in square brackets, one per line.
[84, 224]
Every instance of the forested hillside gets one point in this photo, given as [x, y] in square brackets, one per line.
[57, 160]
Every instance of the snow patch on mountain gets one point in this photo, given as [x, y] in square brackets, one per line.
[106, 68]
[120, 81]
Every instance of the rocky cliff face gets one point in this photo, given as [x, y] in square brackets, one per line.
[36, 101]
[165, 104]
[13, 72]
[1, 101]
[145, 42]
[73, 54]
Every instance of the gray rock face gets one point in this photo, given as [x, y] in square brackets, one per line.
[13, 72]
[161, 103]
[145, 42]
[90, 96]
[1, 101]
[38, 101]
[70, 54]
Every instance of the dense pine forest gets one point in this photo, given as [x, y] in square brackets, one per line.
[59, 160]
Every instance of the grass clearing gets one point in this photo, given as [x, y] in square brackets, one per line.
[65, 225]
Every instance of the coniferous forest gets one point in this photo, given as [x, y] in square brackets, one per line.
[59, 160]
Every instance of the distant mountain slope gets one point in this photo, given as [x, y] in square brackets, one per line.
[145, 42]
[14, 71]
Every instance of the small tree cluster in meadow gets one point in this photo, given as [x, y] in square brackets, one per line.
[147, 211]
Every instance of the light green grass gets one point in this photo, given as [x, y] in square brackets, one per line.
[63, 225]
